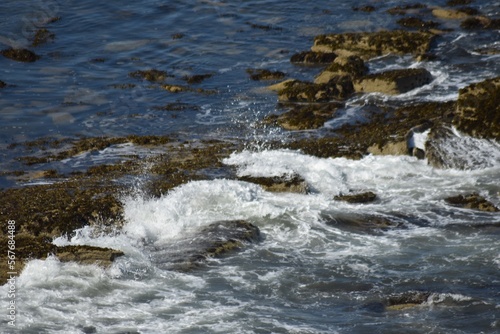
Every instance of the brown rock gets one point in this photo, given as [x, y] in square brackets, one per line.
[472, 201]
[365, 197]
[353, 66]
[303, 117]
[393, 82]
[338, 88]
[285, 183]
[263, 74]
[22, 55]
[369, 45]
[452, 14]
[310, 57]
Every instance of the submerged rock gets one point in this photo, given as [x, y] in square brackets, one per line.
[472, 201]
[263, 74]
[151, 75]
[415, 22]
[478, 109]
[2, 84]
[214, 240]
[286, 183]
[394, 81]
[42, 36]
[480, 22]
[304, 117]
[360, 223]
[406, 300]
[22, 55]
[372, 44]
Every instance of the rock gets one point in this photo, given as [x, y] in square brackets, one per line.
[151, 75]
[310, 57]
[478, 109]
[175, 88]
[403, 10]
[42, 36]
[352, 65]
[406, 300]
[214, 240]
[366, 9]
[22, 55]
[197, 78]
[285, 183]
[393, 82]
[281, 85]
[262, 74]
[365, 197]
[390, 148]
[87, 255]
[415, 22]
[2, 84]
[480, 22]
[458, 2]
[338, 88]
[304, 117]
[454, 14]
[372, 44]
[360, 223]
[472, 201]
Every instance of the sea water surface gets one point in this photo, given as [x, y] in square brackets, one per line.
[307, 275]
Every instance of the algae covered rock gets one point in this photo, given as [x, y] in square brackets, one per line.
[285, 183]
[372, 44]
[360, 223]
[352, 66]
[406, 300]
[311, 57]
[304, 117]
[264, 74]
[394, 81]
[365, 197]
[472, 201]
[478, 109]
[338, 88]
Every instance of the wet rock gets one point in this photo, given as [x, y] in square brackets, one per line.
[394, 81]
[390, 148]
[304, 117]
[352, 66]
[310, 57]
[368, 45]
[151, 75]
[87, 255]
[214, 240]
[488, 51]
[478, 109]
[415, 22]
[360, 223]
[22, 55]
[458, 2]
[366, 9]
[454, 14]
[263, 74]
[472, 201]
[2, 84]
[285, 183]
[198, 78]
[365, 197]
[406, 300]
[338, 88]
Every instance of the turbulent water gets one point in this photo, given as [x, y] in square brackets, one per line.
[308, 274]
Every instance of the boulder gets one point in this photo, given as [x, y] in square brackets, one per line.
[472, 201]
[393, 82]
[478, 109]
[217, 239]
[312, 58]
[338, 88]
[372, 44]
[304, 117]
[352, 66]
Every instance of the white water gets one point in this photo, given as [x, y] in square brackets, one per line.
[303, 268]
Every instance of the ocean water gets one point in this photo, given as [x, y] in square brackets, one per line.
[308, 274]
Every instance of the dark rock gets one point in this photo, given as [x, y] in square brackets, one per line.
[304, 117]
[214, 240]
[2, 84]
[22, 55]
[365, 197]
[368, 45]
[472, 201]
[415, 22]
[286, 183]
[453, 3]
[338, 88]
[263, 74]
[366, 9]
[402, 10]
[360, 223]
[478, 109]
[406, 300]
[480, 22]
[198, 78]
[310, 57]
[394, 81]
[42, 36]
[152, 75]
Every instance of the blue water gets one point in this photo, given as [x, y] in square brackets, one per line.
[306, 276]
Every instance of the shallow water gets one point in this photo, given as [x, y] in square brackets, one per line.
[308, 274]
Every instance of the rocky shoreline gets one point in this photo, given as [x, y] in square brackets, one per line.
[72, 201]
